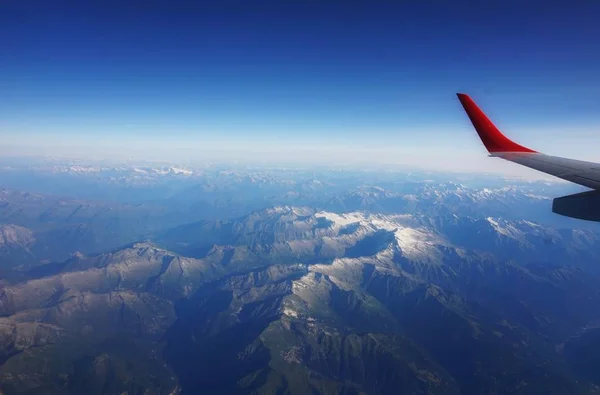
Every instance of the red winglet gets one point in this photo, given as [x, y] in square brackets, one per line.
[491, 137]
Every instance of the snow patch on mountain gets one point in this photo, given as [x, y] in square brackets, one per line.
[420, 245]
[13, 236]
[505, 228]
[342, 220]
[344, 272]
[416, 243]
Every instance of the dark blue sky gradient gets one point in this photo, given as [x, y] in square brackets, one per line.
[278, 69]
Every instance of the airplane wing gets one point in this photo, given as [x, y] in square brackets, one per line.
[498, 145]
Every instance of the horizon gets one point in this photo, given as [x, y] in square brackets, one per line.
[297, 82]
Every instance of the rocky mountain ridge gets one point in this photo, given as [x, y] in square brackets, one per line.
[296, 299]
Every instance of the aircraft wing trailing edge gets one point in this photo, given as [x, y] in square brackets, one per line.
[584, 205]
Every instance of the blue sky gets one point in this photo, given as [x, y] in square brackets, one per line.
[318, 79]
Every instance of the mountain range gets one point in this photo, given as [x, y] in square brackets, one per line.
[296, 299]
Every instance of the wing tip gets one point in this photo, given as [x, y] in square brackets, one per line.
[493, 140]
